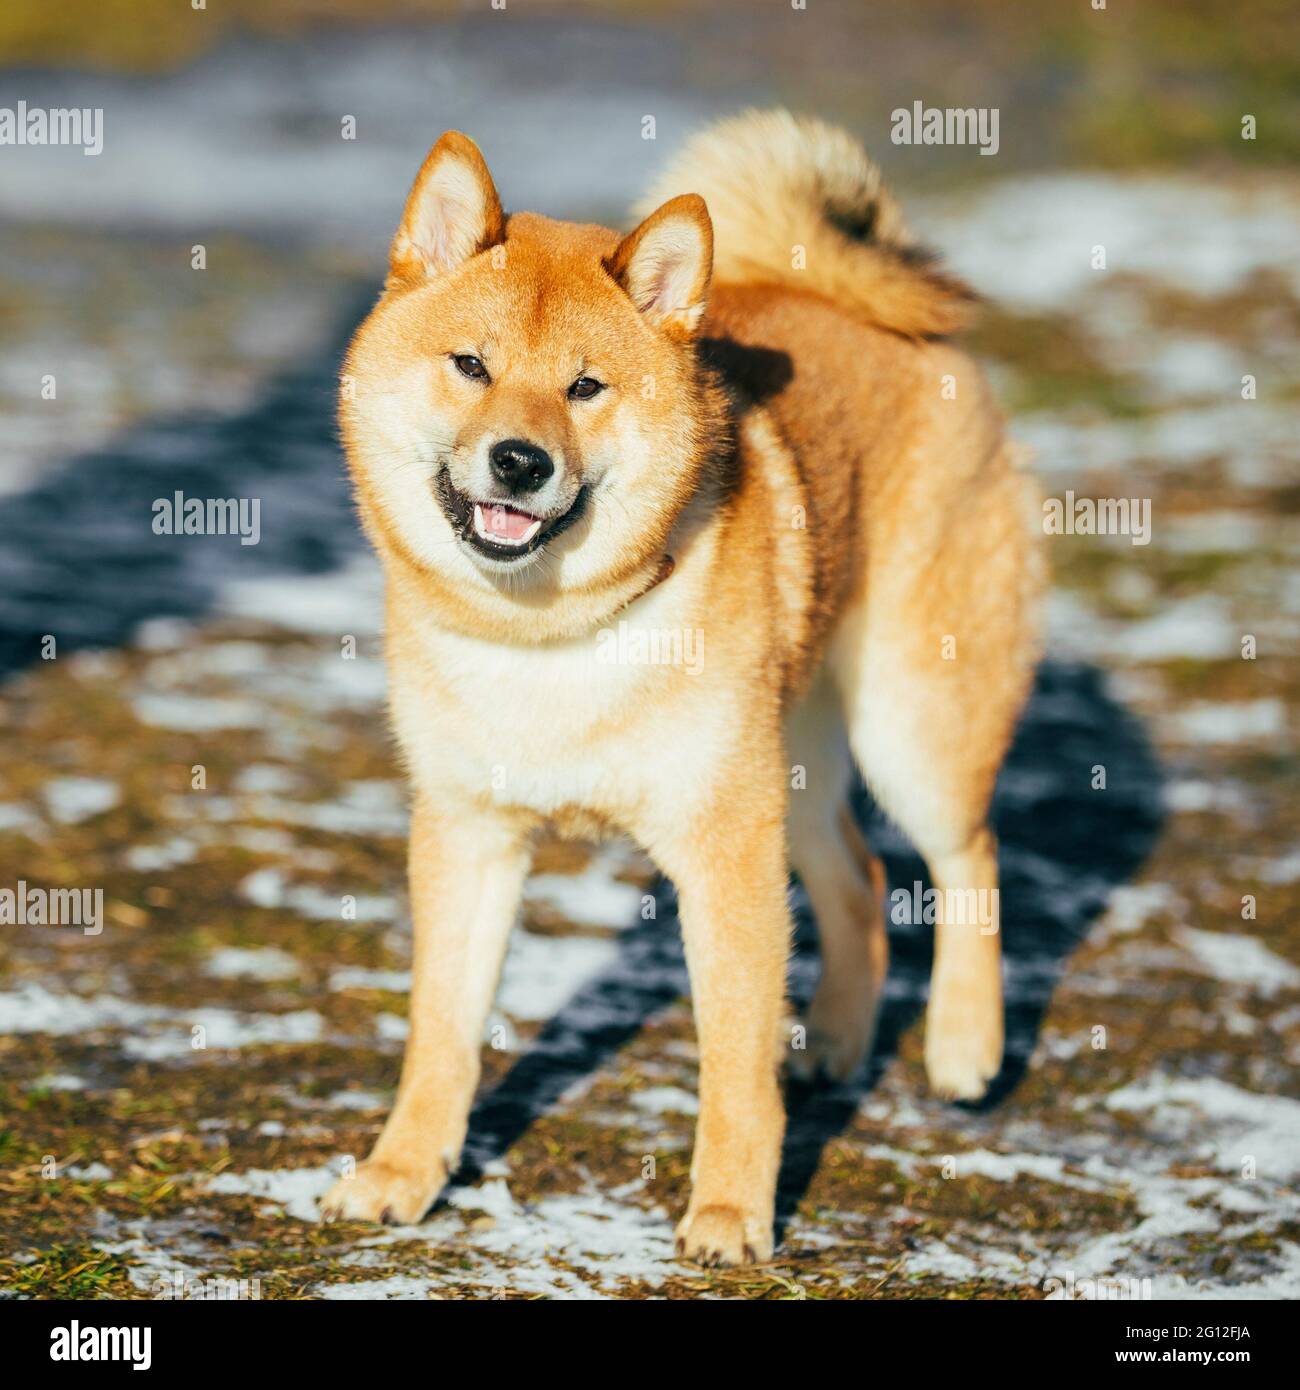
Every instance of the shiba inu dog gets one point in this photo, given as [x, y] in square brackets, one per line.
[739, 422]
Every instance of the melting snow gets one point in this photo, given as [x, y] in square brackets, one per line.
[150, 859]
[1240, 960]
[1239, 722]
[155, 1032]
[542, 973]
[296, 1189]
[72, 800]
[1244, 1124]
[592, 898]
[399, 1286]
[261, 963]
[1131, 905]
[666, 1100]
[196, 713]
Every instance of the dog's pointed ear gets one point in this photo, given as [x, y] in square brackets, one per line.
[665, 264]
[452, 213]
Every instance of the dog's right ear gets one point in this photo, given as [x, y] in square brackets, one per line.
[665, 264]
[452, 213]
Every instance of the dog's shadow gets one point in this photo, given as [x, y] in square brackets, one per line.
[1077, 810]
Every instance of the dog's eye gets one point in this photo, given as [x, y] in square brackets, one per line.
[470, 366]
[585, 388]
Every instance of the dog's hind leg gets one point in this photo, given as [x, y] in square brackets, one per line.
[964, 1018]
[845, 884]
[928, 739]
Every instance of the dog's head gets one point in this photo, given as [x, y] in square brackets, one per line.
[523, 409]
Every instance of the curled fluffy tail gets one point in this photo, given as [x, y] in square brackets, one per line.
[775, 183]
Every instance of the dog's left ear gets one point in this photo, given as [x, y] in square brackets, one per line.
[665, 264]
[452, 213]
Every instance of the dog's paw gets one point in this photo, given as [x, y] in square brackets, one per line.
[837, 1038]
[724, 1235]
[830, 1056]
[383, 1193]
[962, 1058]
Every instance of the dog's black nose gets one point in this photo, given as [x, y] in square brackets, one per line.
[520, 466]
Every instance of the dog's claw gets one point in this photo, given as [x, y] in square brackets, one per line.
[378, 1192]
[718, 1236]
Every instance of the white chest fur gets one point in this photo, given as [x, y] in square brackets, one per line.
[606, 722]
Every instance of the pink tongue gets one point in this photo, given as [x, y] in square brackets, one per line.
[502, 521]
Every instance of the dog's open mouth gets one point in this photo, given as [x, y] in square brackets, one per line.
[497, 529]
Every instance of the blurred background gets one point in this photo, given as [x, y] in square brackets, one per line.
[204, 742]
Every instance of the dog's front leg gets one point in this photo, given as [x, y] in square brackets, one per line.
[466, 872]
[731, 880]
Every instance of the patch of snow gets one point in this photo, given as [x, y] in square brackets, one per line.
[1027, 241]
[155, 1033]
[397, 1287]
[16, 818]
[358, 977]
[588, 899]
[604, 1239]
[1241, 721]
[542, 973]
[1225, 1124]
[1199, 628]
[196, 713]
[492, 1198]
[356, 1100]
[225, 1029]
[347, 600]
[297, 1190]
[1003, 1167]
[1218, 532]
[57, 1081]
[1189, 366]
[270, 888]
[391, 1028]
[666, 1100]
[163, 634]
[1131, 905]
[89, 1172]
[1239, 960]
[365, 808]
[1191, 796]
[356, 682]
[72, 800]
[261, 778]
[31, 1008]
[1285, 869]
[258, 963]
[152, 859]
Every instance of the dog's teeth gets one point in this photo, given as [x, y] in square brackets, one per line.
[497, 537]
[484, 531]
